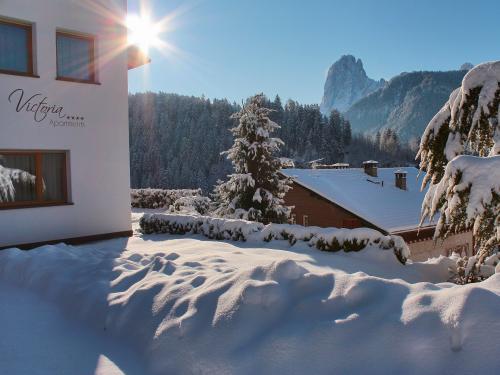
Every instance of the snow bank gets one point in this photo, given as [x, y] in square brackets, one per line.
[205, 307]
[326, 239]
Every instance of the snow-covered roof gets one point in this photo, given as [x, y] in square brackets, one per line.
[383, 205]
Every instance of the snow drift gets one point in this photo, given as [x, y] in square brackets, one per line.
[196, 306]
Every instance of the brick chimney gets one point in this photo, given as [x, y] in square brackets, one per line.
[370, 167]
[400, 179]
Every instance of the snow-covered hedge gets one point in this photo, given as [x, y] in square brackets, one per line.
[192, 204]
[325, 239]
[159, 198]
[215, 228]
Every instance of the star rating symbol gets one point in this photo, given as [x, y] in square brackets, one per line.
[77, 118]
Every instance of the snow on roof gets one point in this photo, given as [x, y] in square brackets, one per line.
[383, 205]
[370, 162]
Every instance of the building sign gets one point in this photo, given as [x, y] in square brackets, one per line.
[42, 110]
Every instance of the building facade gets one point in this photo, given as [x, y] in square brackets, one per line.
[64, 146]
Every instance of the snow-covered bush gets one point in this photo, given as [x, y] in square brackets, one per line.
[336, 239]
[214, 228]
[460, 152]
[466, 270]
[192, 204]
[325, 239]
[159, 198]
[256, 190]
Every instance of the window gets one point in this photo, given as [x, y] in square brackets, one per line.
[32, 178]
[75, 58]
[293, 219]
[305, 220]
[16, 48]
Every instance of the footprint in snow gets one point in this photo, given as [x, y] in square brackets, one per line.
[135, 257]
[198, 281]
[172, 256]
[192, 264]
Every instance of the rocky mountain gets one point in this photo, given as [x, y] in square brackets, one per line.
[347, 83]
[406, 103]
[466, 66]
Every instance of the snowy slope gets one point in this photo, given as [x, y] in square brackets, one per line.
[194, 306]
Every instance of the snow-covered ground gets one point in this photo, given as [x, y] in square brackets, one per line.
[189, 305]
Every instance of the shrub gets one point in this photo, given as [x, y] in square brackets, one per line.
[159, 198]
[325, 239]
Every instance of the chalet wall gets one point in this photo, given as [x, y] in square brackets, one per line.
[320, 211]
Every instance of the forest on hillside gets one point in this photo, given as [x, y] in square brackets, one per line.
[176, 141]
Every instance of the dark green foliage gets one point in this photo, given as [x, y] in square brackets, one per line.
[176, 141]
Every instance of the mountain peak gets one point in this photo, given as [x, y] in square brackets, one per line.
[466, 66]
[346, 83]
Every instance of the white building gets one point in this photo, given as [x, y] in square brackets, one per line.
[64, 147]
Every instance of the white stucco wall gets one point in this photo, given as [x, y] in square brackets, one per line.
[99, 151]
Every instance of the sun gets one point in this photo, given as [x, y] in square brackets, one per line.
[143, 32]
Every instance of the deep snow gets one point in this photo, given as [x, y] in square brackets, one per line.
[191, 305]
[37, 339]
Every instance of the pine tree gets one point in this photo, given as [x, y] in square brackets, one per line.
[460, 151]
[346, 132]
[256, 190]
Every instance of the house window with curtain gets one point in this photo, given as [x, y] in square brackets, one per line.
[75, 58]
[33, 178]
[16, 48]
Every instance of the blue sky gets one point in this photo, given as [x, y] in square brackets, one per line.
[236, 48]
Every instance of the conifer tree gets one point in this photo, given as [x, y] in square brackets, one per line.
[256, 190]
[460, 152]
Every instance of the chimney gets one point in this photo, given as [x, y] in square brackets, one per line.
[400, 179]
[370, 167]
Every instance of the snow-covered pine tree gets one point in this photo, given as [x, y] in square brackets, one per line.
[460, 152]
[256, 190]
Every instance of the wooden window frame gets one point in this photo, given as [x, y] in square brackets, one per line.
[305, 220]
[92, 58]
[29, 47]
[39, 201]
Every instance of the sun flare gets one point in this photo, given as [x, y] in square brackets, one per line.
[143, 32]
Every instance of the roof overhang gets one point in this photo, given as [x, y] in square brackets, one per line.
[136, 57]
